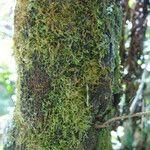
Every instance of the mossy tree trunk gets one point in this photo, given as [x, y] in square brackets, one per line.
[68, 73]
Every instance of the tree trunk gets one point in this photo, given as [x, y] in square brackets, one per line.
[68, 73]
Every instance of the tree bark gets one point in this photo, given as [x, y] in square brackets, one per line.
[68, 73]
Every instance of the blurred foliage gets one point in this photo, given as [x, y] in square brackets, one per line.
[1, 147]
[7, 89]
[6, 18]
[7, 79]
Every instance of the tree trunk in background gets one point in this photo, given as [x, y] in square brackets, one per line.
[68, 73]
[139, 24]
[137, 16]
[132, 56]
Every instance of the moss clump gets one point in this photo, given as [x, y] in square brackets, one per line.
[104, 143]
[66, 54]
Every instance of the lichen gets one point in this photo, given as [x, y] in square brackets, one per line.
[60, 48]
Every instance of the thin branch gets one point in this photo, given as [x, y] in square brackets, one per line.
[139, 91]
[120, 118]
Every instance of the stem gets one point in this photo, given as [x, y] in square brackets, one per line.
[120, 118]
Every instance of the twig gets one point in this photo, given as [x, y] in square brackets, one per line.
[139, 91]
[120, 118]
[142, 117]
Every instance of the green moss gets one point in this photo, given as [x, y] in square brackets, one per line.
[104, 143]
[60, 48]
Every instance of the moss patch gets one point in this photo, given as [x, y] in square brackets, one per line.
[104, 143]
[65, 51]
